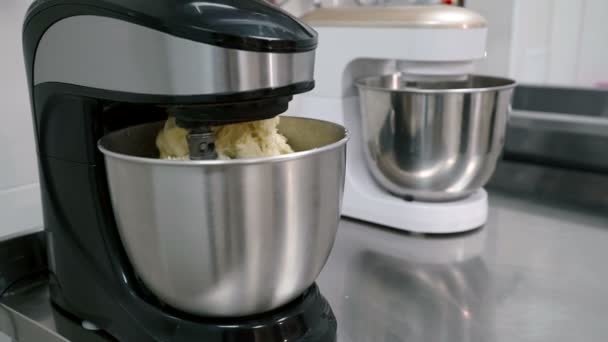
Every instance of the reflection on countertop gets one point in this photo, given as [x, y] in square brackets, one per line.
[535, 272]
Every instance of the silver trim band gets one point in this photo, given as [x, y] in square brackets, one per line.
[111, 54]
[437, 17]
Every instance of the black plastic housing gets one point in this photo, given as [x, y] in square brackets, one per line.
[253, 25]
[91, 276]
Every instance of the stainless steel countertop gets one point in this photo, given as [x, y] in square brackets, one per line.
[535, 272]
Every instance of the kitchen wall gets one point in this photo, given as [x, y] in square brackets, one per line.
[557, 42]
[20, 209]
[592, 59]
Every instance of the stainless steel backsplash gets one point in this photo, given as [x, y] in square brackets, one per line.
[556, 146]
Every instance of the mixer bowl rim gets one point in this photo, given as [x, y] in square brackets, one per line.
[503, 83]
[217, 162]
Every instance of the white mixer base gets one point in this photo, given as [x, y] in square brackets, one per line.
[376, 206]
[423, 217]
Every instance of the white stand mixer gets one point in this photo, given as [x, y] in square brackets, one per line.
[425, 42]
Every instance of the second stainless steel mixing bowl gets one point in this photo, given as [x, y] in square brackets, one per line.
[433, 141]
[228, 238]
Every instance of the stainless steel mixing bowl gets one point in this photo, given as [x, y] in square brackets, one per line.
[433, 141]
[228, 238]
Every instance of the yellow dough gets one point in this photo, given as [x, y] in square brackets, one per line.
[250, 139]
[242, 140]
[172, 141]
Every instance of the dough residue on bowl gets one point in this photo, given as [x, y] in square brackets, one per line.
[241, 140]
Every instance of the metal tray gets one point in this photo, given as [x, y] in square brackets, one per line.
[555, 148]
[559, 127]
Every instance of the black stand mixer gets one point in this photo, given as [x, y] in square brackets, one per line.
[98, 66]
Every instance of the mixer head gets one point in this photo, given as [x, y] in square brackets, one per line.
[265, 57]
[211, 62]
